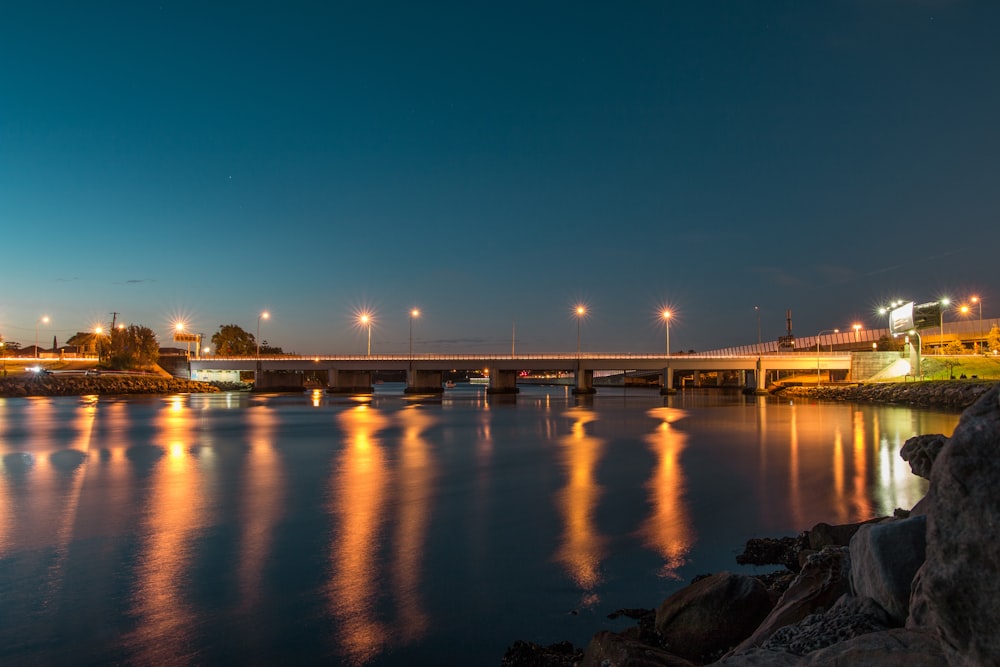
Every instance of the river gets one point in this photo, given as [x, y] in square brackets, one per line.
[387, 530]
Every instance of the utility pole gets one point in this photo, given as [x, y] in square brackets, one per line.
[114, 320]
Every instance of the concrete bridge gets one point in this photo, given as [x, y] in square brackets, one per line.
[425, 372]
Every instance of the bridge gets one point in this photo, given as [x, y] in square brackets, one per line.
[425, 372]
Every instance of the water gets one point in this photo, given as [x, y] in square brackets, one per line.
[247, 529]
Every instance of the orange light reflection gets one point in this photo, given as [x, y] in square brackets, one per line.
[358, 490]
[582, 547]
[668, 527]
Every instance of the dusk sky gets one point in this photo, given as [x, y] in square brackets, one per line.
[494, 164]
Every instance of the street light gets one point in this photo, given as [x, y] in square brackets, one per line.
[263, 316]
[943, 303]
[580, 312]
[857, 328]
[365, 320]
[757, 308]
[98, 332]
[979, 326]
[44, 320]
[825, 331]
[413, 313]
[666, 321]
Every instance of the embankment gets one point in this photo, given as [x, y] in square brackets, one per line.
[944, 394]
[53, 385]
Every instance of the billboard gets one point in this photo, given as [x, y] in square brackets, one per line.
[909, 317]
[186, 338]
[901, 318]
[926, 315]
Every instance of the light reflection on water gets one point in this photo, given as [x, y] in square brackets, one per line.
[230, 527]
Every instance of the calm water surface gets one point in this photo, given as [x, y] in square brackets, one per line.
[230, 528]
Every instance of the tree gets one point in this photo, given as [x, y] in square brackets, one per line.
[954, 347]
[269, 349]
[993, 339]
[134, 346]
[232, 341]
[890, 344]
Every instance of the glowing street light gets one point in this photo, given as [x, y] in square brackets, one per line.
[365, 320]
[944, 304]
[857, 327]
[979, 326]
[98, 332]
[263, 316]
[580, 312]
[44, 320]
[413, 313]
[666, 321]
[825, 331]
[757, 308]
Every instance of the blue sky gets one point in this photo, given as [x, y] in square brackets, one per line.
[493, 164]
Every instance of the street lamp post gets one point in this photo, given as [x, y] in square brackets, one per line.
[979, 326]
[580, 312]
[666, 321]
[413, 313]
[264, 315]
[366, 321]
[825, 331]
[757, 308]
[44, 320]
[857, 329]
[943, 303]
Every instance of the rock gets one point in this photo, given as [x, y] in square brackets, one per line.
[957, 592]
[823, 579]
[706, 618]
[898, 647]
[848, 618]
[826, 535]
[884, 559]
[920, 451]
[529, 654]
[772, 551]
[608, 649]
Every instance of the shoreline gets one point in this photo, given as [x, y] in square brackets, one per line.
[954, 395]
[89, 385]
[919, 587]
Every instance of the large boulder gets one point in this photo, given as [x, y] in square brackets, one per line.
[823, 579]
[849, 617]
[884, 559]
[921, 451]
[703, 620]
[957, 593]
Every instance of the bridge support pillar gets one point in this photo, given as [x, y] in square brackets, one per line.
[349, 382]
[424, 382]
[760, 378]
[584, 381]
[696, 380]
[502, 382]
[668, 381]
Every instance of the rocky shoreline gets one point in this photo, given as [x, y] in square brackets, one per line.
[82, 385]
[944, 394]
[919, 588]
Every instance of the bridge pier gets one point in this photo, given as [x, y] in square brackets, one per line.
[349, 382]
[502, 382]
[424, 382]
[584, 381]
[668, 382]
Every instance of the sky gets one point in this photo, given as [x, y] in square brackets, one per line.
[494, 165]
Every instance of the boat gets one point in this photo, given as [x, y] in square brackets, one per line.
[450, 384]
